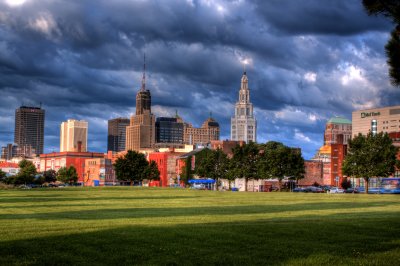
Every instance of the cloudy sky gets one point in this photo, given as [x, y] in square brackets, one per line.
[308, 61]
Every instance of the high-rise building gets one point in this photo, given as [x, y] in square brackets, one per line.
[243, 123]
[169, 130]
[117, 134]
[337, 131]
[208, 132]
[140, 134]
[73, 136]
[29, 130]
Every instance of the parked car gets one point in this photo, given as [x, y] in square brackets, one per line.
[335, 190]
[198, 186]
[298, 189]
[314, 189]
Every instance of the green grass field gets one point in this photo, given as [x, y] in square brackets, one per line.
[123, 225]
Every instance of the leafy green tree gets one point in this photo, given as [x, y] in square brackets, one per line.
[345, 183]
[50, 176]
[391, 10]
[186, 171]
[67, 175]
[212, 164]
[26, 173]
[370, 156]
[279, 161]
[244, 162]
[2, 175]
[152, 172]
[132, 167]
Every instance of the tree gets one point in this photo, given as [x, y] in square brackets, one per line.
[370, 156]
[67, 175]
[3, 175]
[279, 161]
[132, 167]
[244, 162]
[50, 176]
[152, 171]
[26, 173]
[389, 9]
[345, 183]
[212, 164]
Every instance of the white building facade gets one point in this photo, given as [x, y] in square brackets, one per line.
[73, 136]
[243, 123]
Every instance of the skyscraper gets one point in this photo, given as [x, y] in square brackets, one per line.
[117, 134]
[140, 134]
[29, 130]
[73, 135]
[243, 123]
[169, 130]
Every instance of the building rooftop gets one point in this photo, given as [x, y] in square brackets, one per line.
[339, 120]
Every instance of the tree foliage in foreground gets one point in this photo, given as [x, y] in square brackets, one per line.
[26, 173]
[134, 167]
[370, 156]
[279, 161]
[391, 10]
[212, 164]
[67, 175]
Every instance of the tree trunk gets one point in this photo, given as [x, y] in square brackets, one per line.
[366, 184]
[280, 184]
[229, 184]
[245, 184]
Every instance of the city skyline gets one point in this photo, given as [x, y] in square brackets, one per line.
[306, 62]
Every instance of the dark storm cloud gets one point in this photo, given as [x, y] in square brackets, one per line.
[309, 60]
[319, 17]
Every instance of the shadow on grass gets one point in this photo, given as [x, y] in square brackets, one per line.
[126, 213]
[322, 241]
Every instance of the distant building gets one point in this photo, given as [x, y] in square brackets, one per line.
[29, 130]
[10, 151]
[226, 145]
[56, 160]
[117, 134]
[208, 132]
[385, 119]
[243, 123]
[9, 168]
[73, 136]
[337, 131]
[140, 134]
[169, 130]
[99, 172]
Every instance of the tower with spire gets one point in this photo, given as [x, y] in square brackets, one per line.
[140, 134]
[243, 123]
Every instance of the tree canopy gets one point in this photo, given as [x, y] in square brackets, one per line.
[279, 161]
[134, 167]
[391, 10]
[212, 164]
[67, 175]
[370, 156]
[26, 173]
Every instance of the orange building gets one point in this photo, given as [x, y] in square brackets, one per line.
[99, 172]
[56, 160]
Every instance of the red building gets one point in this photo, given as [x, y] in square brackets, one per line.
[226, 145]
[313, 174]
[338, 153]
[161, 159]
[56, 160]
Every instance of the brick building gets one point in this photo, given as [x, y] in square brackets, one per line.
[226, 145]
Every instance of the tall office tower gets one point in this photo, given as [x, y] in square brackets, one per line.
[29, 130]
[208, 132]
[73, 135]
[169, 130]
[140, 134]
[117, 134]
[244, 124]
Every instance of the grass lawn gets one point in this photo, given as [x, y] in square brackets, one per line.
[123, 225]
